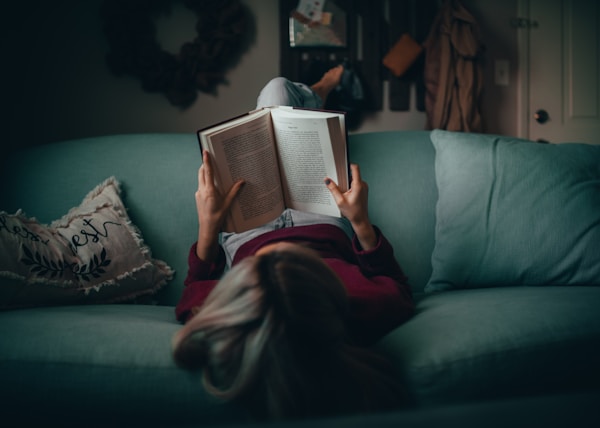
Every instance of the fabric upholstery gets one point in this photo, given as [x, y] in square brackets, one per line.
[501, 342]
[515, 212]
[100, 365]
[399, 169]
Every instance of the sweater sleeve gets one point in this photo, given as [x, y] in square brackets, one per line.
[379, 296]
[380, 260]
[200, 280]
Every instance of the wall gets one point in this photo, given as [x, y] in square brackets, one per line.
[499, 107]
[57, 86]
[61, 88]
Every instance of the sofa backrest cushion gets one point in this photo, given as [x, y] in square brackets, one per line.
[158, 177]
[399, 169]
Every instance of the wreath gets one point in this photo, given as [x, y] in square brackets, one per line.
[201, 64]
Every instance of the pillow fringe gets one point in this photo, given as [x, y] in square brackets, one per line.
[77, 212]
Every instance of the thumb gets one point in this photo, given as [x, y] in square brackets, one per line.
[233, 192]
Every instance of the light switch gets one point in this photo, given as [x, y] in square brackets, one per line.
[501, 72]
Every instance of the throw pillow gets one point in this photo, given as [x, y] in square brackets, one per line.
[94, 254]
[515, 212]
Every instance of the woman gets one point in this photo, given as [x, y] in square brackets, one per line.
[282, 331]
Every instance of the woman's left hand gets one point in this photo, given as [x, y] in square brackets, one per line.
[354, 205]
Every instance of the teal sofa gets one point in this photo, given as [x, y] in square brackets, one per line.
[496, 322]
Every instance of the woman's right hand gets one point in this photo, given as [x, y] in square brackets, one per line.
[212, 208]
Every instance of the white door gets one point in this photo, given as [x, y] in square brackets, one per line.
[563, 70]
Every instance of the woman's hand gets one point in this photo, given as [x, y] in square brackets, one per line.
[212, 208]
[354, 205]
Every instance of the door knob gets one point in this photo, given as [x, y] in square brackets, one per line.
[541, 116]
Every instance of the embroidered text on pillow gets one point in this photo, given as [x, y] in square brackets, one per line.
[91, 234]
[21, 232]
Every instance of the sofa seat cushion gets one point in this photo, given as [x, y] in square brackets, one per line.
[499, 342]
[109, 362]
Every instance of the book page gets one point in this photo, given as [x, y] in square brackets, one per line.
[246, 151]
[337, 135]
[306, 157]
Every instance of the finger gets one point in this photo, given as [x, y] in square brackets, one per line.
[355, 171]
[201, 176]
[233, 192]
[334, 189]
[207, 163]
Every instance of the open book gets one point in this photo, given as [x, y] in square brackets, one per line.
[283, 154]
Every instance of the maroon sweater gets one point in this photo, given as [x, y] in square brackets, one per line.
[378, 295]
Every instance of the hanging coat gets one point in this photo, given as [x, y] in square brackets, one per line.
[453, 71]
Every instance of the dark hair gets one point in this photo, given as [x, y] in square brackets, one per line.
[272, 336]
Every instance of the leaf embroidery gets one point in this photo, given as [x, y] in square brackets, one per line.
[42, 267]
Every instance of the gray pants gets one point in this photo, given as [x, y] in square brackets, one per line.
[283, 92]
[231, 242]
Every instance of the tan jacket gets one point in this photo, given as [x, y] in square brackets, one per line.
[453, 71]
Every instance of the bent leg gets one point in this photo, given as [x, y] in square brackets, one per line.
[282, 92]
